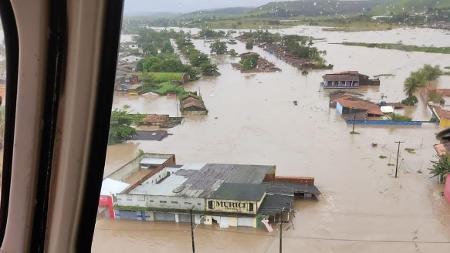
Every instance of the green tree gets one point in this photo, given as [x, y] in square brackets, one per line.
[232, 52]
[121, 129]
[249, 62]
[209, 69]
[419, 78]
[249, 45]
[440, 168]
[412, 83]
[219, 47]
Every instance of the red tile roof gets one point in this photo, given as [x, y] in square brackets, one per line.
[357, 103]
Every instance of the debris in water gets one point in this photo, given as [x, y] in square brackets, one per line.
[410, 150]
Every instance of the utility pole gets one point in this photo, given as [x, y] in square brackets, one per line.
[281, 231]
[354, 118]
[398, 154]
[192, 232]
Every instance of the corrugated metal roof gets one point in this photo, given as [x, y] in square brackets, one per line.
[275, 203]
[232, 191]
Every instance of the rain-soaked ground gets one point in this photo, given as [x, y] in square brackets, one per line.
[253, 120]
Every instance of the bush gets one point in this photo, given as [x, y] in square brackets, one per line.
[121, 129]
[410, 101]
[398, 117]
[249, 62]
[219, 47]
[249, 45]
[232, 52]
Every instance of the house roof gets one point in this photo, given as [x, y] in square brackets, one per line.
[274, 204]
[192, 102]
[441, 113]
[361, 104]
[236, 191]
[156, 118]
[342, 76]
[442, 148]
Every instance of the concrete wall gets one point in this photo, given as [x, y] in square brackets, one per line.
[132, 166]
[444, 123]
[160, 202]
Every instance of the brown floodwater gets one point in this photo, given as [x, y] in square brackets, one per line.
[252, 120]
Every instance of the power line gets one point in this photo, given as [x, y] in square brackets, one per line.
[319, 238]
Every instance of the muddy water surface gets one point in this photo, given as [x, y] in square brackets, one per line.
[253, 120]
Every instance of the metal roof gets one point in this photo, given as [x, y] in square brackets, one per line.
[275, 203]
[232, 191]
[153, 161]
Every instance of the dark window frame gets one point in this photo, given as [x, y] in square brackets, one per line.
[12, 64]
[102, 115]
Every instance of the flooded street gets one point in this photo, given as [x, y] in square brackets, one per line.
[252, 120]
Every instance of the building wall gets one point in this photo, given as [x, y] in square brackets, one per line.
[444, 123]
[133, 166]
[160, 202]
[231, 206]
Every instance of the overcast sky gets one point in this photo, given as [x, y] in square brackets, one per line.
[132, 6]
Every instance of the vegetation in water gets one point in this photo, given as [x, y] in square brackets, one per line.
[218, 47]
[249, 62]
[410, 101]
[121, 125]
[195, 57]
[232, 53]
[419, 79]
[249, 45]
[211, 34]
[440, 168]
[398, 117]
[400, 46]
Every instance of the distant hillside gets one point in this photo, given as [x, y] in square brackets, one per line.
[397, 6]
[151, 15]
[224, 12]
[313, 8]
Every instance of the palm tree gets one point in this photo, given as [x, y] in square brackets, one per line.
[440, 168]
[412, 83]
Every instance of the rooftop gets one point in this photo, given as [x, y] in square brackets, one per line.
[358, 103]
[233, 191]
[202, 180]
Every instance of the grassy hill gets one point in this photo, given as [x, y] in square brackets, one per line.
[398, 6]
[313, 8]
[218, 13]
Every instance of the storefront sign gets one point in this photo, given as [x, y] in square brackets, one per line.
[230, 206]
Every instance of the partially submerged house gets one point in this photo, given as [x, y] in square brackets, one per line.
[442, 115]
[443, 149]
[193, 105]
[152, 187]
[350, 105]
[347, 80]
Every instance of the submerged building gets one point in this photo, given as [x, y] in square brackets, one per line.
[158, 189]
[347, 80]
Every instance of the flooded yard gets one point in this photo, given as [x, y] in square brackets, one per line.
[252, 120]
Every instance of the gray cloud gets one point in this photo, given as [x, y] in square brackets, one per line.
[179, 6]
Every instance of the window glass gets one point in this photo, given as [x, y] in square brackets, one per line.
[322, 119]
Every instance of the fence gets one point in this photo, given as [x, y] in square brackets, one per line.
[386, 122]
